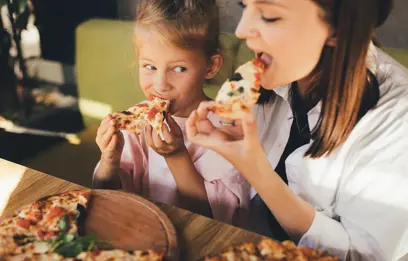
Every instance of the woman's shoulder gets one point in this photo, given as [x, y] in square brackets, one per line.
[392, 78]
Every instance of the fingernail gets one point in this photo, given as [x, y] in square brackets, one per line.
[112, 122]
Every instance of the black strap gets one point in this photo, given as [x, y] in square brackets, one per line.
[299, 136]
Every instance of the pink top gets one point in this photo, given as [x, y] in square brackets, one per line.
[149, 175]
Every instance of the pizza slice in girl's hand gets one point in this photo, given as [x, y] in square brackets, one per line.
[238, 95]
[137, 117]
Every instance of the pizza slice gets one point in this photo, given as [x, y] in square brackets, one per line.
[243, 252]
[287, 250]
[36, 257]
[45, 219]
[137, 117]
[239, 94]
[116, 255]
[107, 255]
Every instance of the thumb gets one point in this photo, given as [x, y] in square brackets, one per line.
[249, 127]
[174, 127]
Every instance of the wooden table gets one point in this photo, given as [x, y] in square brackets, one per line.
[198, 236]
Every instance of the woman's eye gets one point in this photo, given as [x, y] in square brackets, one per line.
[149, 67]
[270, 20]
[180, 69]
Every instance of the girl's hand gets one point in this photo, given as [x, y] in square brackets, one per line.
[110, 142]
[173, 143]
[238, 144]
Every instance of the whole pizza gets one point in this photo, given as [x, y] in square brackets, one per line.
[270, 250]
[51, 228]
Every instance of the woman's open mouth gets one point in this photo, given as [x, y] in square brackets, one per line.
[266, 59]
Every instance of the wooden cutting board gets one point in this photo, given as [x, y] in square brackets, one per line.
[130, 222]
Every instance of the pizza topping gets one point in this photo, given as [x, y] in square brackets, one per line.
[22, 239]
[142, 105]
[152, 113]
[24, 223]
[127, 112]
[34, 217]
[236, 77]
[55, 212]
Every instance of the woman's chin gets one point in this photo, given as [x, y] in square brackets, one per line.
[268, 84]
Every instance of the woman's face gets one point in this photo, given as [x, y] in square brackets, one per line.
[290, 34]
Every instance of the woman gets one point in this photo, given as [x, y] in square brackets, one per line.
[332, 120]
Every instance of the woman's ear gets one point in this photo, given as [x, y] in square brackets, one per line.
[214, 66]
[332, 40]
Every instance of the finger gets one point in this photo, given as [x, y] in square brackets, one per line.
[237, 122]
[191, 125]
[174, 127]
[148, 135]
[157, 141]
[192, 132]
[249, 127]
[203, 109]
[105, 124]
[107, 137]
[121, 138]
[168, 137]
[205, 126]
[112, 143]
[107, 119]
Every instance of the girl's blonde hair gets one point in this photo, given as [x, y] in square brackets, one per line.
[191, 24]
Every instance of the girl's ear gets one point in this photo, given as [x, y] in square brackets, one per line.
[214, 66]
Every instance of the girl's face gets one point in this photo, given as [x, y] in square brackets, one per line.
[171, 72]
[290, 34]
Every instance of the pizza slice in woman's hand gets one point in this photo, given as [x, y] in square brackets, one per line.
[238, 95]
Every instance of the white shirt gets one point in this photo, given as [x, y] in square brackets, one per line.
[359, 192]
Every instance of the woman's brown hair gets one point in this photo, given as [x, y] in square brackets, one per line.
[192, 24]
[341, 80]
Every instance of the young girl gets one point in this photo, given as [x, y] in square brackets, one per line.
[177, 49]
[333, 123]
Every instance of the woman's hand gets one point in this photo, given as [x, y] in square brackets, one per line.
[238, 144]
[247, 154]
[173, 142]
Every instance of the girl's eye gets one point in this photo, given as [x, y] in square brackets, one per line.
[149, 67]
[241, 4]
[180, 69]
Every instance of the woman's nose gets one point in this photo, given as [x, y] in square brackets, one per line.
[246, 26]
